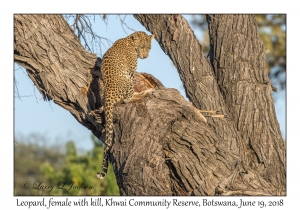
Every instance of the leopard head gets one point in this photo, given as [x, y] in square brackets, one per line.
[142, 43]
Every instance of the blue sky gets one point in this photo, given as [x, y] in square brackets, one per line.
[34, 115]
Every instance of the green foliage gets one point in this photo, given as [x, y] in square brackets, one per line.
[73, 174]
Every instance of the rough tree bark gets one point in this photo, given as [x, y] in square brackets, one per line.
[162, 143]
[239, 66]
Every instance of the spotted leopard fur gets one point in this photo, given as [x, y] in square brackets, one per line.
[118, 66]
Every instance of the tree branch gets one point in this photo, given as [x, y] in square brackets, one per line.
[177, 40]
[55, 61]
[238, 58]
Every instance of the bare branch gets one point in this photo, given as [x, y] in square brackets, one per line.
[124, 23]
[83, 28]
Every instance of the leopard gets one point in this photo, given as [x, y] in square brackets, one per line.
[118, 66]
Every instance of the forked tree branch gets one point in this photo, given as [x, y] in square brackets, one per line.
[162, 143]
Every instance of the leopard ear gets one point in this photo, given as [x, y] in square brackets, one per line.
[152, 36]
[134, 38]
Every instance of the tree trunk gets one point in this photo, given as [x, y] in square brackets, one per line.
[162, 143]
[239, 66]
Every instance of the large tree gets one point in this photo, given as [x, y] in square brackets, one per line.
[162, 143]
